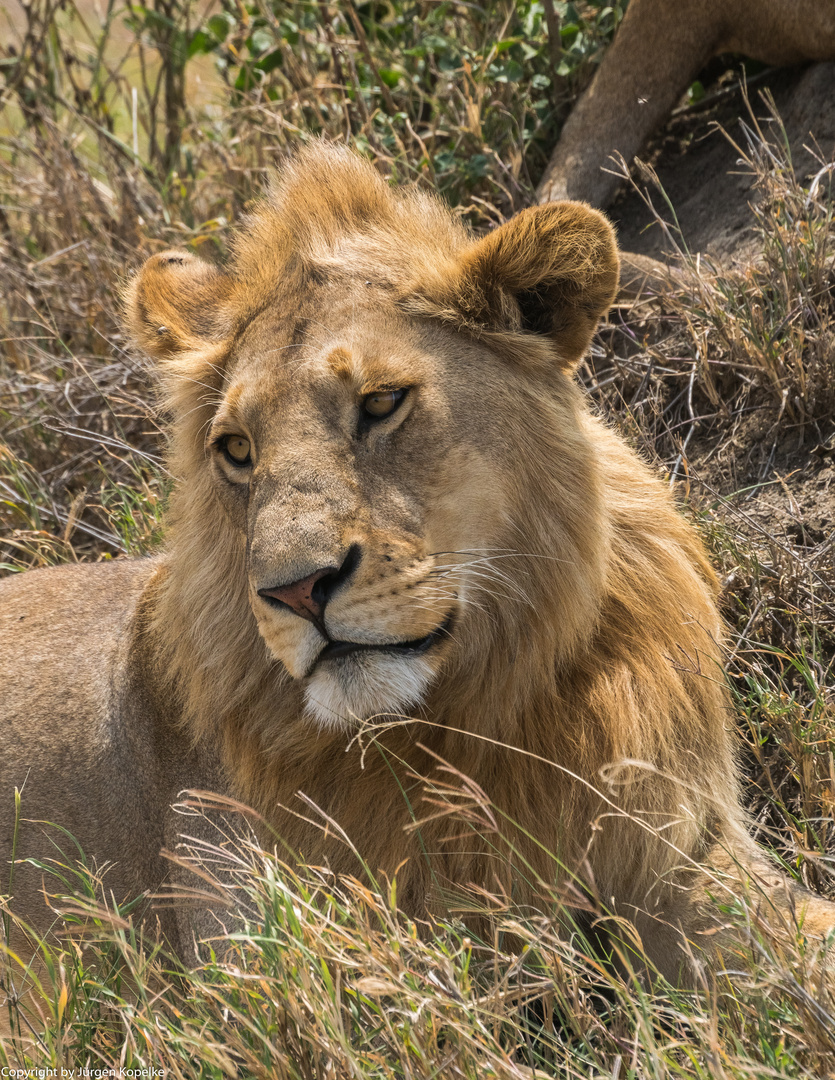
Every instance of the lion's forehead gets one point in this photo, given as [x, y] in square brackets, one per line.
[328, 358]
[318, 317]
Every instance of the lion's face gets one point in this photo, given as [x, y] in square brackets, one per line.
[352, 454]
[378, 403]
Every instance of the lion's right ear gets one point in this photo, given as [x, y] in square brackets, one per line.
[551, 270]
[175, 306]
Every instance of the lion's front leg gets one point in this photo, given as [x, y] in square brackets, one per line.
[713, 914]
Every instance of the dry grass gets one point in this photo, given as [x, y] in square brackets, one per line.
[327, 979]
[722, 381]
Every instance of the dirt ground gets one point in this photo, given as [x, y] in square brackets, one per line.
[700, 170]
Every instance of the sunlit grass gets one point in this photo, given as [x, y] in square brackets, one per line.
[326, 977]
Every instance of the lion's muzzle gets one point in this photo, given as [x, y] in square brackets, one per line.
[368, 636]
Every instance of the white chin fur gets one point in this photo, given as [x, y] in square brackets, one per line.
[343, 691]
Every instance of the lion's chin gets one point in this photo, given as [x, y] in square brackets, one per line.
[344, 691]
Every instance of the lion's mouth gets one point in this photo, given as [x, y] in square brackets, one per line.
[337, 649]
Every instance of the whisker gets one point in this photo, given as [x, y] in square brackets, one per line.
[196, 382]
[492, 593]
[508, 553]
[490, 574]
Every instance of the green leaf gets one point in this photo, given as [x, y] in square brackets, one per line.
[271, 61]
[449, 62]
[154, 20]
[221, 25]
[477, 166]
[512, 71]
[290, 32]
[201, 43]
[244, 80]
[507, 43]
[259, 41]
[697, 92]
[390, 77]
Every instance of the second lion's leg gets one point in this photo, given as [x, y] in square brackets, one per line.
[658, 50]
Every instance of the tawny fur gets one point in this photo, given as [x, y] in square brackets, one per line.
[580, 685]
[658, 50]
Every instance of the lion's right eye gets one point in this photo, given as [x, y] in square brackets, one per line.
[382, 403]
[237, 450]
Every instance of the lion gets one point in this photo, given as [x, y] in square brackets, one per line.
[395, 515]
[658, 50]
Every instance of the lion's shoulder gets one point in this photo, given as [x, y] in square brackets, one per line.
[50, 595]
[68, 620]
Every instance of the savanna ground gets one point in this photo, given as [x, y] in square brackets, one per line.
[126, 129]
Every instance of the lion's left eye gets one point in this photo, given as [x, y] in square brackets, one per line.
[382, 403]
[237, 450]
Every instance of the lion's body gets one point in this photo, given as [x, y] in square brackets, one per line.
[578, 626]
[658, 51]
[85, 737]
[96, 748]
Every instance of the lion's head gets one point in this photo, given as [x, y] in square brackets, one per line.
[368, 402]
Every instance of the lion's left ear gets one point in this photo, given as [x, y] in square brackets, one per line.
[550, 270]
[174, 305]
[177, 310]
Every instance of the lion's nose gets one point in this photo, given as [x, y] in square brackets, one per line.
[309, 596]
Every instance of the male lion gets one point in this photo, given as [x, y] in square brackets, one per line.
[659, 48]
[392, 500]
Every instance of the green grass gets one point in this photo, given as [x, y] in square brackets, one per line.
[328, 979]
